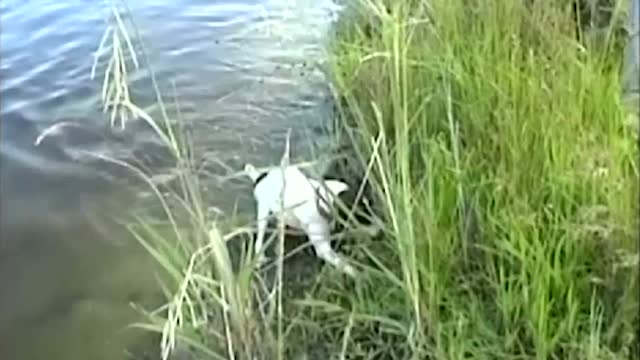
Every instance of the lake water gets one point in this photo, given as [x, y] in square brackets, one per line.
[245, 72]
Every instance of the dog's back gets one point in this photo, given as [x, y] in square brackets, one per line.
[290, 190]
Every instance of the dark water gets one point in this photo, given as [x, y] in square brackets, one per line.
[245, 71]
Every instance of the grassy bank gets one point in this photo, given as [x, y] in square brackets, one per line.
[508, 177]
[503, 168]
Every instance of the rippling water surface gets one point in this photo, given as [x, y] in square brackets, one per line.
[244, 71]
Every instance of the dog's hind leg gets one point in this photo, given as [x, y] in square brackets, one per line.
[318, 234]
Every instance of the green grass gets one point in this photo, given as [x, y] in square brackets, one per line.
[505, 175]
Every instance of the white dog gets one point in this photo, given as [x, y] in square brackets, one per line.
[305, 203]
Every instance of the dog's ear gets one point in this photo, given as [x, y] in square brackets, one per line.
[336, 187]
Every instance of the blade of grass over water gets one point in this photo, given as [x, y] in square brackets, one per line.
[205, 294]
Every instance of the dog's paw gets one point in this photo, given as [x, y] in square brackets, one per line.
[373, 230]
[349, 270]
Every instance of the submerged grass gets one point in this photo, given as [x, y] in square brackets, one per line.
[497, 150]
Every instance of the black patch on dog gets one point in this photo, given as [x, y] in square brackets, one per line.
[260, 177]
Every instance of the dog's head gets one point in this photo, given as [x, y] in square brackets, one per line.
[353, 201]
[335, 188]
[343, 206]
[328, 191]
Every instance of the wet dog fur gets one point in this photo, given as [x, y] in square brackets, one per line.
[307, 203]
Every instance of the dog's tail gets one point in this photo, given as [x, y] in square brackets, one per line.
[251, 172]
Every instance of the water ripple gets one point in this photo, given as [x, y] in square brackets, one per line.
[244, 70]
